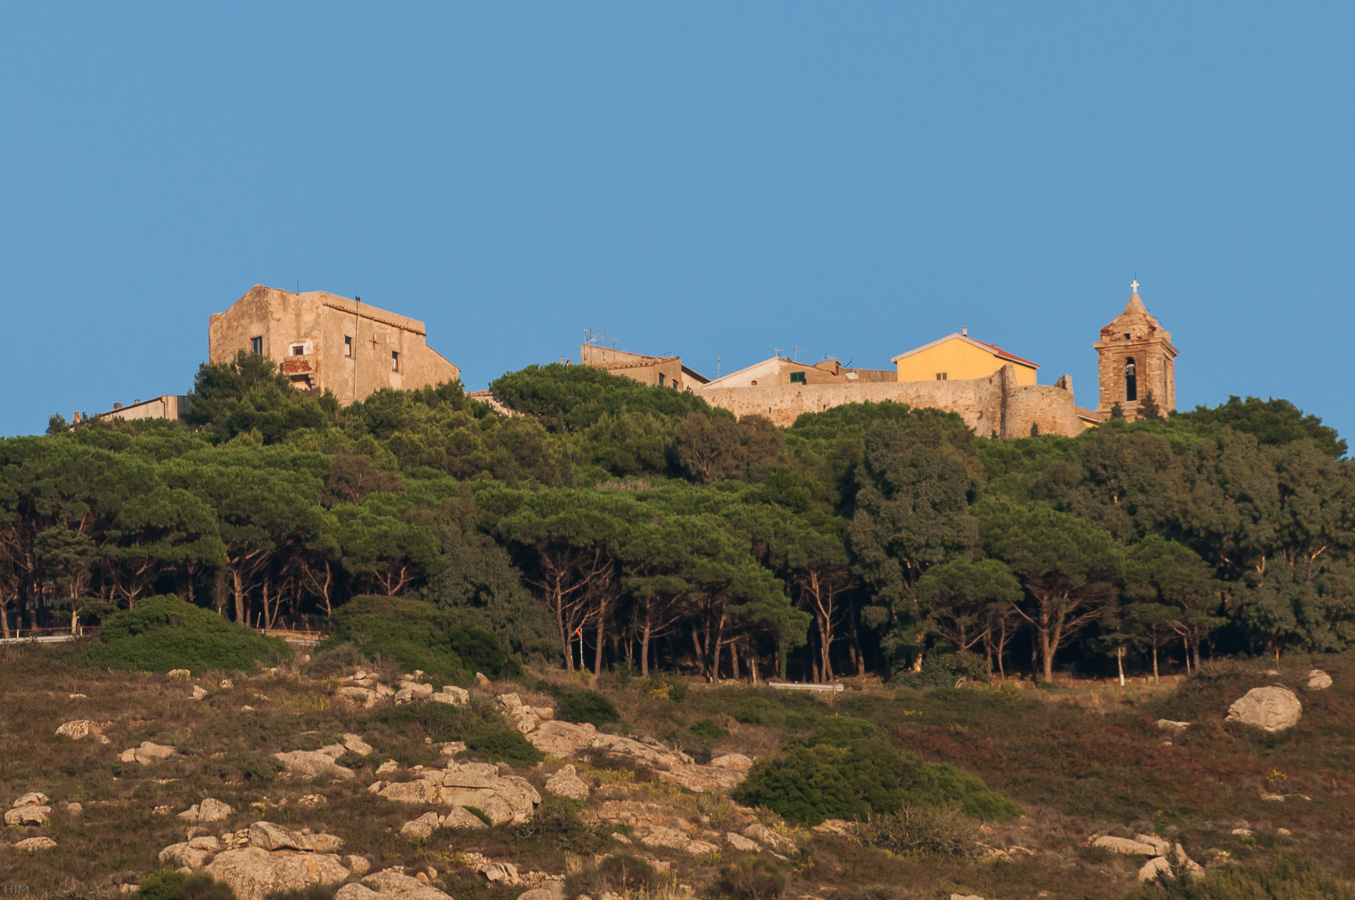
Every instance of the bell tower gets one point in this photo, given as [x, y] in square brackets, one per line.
[1135, 358]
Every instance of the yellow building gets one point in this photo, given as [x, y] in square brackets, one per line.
[958, 356]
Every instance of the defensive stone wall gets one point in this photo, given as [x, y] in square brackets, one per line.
[995, 405]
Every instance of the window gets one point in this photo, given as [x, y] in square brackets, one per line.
[942, 376]
[347, 345]
[395, 361]
[797, 378]
[661, 379]
[298, 349]
[256, 346]
[1126, 335]
[1131, 381]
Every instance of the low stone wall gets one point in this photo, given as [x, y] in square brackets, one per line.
[995, 405]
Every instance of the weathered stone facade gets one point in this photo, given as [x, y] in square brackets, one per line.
[995, 405]
[656, 371]
[324, 342]
[1135, 357]
[166, 406]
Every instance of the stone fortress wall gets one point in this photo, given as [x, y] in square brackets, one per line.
[992, 405]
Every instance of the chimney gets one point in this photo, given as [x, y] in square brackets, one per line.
[964, 330]
[117, 406]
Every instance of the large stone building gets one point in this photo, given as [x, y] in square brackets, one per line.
[1135, 359]
[324, 342]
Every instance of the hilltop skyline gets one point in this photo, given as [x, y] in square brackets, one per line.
[716, 182]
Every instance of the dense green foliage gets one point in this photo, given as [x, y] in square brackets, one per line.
[450, 646]
[172, 884]
[615, 525]
[486, 736]
[750, 878]
[844, 770]
[585, 706]
[166, 633]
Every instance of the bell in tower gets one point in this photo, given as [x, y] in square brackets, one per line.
[1135, 359]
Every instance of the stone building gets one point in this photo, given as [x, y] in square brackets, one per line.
[958, 356]
[781, 371]
[166, 406]
[324, 342]
[657, 371]
[1135, 358]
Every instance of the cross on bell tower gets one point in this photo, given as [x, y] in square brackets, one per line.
[1135, 359]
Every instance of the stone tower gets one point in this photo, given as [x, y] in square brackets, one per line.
[1135, 356]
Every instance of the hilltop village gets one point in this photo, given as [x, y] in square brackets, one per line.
[323, 342]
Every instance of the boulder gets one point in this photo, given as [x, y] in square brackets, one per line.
[503, 798]
[419, 793]
[701, 848]
[567, 783]
[1271, 709]
[1170, 728]
[387, 767]
[768, 838]
[32, 798]
[33, 845]
[412, 690]
[275, 837]
[661, 836]
[422, 827]
[198, 692]
[1162, 864]
[389, 885]
[209, 810]
[736, 761]
[482, 682]
[185, 855]
[30, 816]
[76, 730]
[313, 764]
[562, 739]
[451, 694]
[181, 674]
[741, 843]
[549, 890]
[253, 872]
[358, 865]
[355, 744]
[462, 818]
[148, 754]
[1318, 680]
[1124, 845]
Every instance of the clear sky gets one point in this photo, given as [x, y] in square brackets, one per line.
[712, 179]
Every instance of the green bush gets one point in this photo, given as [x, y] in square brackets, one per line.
[171, 884]
[164, 633]
[581, 706]
[750, 878]
[862, 777]
[923, 831]
[1283, 878]
[449, 645]
[945, 670]
[488, 739]
[251, 768]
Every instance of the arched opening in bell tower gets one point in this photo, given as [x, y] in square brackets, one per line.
[1131, 381]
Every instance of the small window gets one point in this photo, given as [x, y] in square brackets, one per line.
[797, 378]
[256, 346]
[395, 361]
[661, 379]
[942, 376]
[347, 345]
[298, 349]
[1126, 335]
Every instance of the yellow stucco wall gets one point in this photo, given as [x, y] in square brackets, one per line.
[958, 359]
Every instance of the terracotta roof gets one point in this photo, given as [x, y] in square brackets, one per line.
[991, 348]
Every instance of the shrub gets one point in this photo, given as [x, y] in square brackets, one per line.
[171, 884]
[581, 706]
[309, 892]
[945, 670]
[251, 768]
[488, 739]
[750, 878]
[164, 633]
[923, 831]
[864, 776]
[450, 645]
[620, 873]
[1283, 878]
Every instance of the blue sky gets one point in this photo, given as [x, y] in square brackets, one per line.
[713, 179]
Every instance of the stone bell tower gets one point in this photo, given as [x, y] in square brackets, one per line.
[1135, 357]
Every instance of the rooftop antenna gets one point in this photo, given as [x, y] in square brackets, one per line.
[717, 367]
[597, 338]
[795, 353]
[777, 351]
